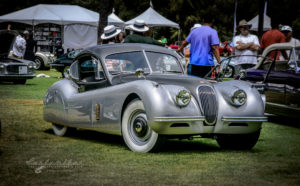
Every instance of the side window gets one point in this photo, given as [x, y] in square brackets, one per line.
[125, 62]
[163, 62]
[90, 69]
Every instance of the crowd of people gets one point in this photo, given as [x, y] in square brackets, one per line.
[200, 48]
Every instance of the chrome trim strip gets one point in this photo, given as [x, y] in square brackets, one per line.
[181, 119]
[246, 119]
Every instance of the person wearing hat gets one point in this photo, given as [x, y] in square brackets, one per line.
[19, 46]
[246, 46]
[288, 32]
[139, 29]
[110, 34]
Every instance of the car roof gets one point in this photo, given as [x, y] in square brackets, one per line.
[106, 49]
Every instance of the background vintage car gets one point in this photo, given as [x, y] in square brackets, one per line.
[64, 61]
[13, 69]
[281, 78]
[140, 91]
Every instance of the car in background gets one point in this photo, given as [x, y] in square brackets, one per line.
[140, 92]
[43, 60]
[281, 78]
[225, 49]
[62, 63]
[175, 45]
[13, 69]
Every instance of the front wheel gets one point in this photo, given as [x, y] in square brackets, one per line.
[238, 141]
[39, 62]
[137, 134]
[20, 81]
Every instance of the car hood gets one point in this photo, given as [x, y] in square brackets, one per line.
[189, 82]
[7, 39]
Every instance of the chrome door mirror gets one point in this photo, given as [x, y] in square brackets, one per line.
[139, 72]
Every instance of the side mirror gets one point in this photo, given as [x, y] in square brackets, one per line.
[73, 71]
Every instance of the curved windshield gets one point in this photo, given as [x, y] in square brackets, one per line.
[163, 63]
[127, 62]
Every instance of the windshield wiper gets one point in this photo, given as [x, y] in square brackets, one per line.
[172, 71]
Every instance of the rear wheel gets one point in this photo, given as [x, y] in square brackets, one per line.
[39, 62]
[59, 130]
[229, 71]
[137, 134]
[238, 141]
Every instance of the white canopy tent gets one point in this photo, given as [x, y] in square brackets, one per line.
[80, 24]
[254, 22]
[153, 19]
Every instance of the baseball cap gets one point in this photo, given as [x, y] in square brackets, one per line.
[286, 28]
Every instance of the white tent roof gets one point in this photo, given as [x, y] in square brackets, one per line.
[267, 23]
[115, 20]
[152, 18]
[57, 14]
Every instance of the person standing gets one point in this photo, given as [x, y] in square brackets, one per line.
[288, 32]
[139, 29]
[31, 46]
[110, 34]
[19, 47]
[271, 37]
[204, 44]
[246, 46]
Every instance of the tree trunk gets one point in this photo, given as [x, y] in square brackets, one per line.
[105, 9]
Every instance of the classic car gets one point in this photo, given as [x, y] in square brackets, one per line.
[43, 60]
[225, 49]
[64, 61]
[281, 78]
[140, 91]
[13, 69]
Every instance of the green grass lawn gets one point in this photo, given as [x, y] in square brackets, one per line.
[93, 158]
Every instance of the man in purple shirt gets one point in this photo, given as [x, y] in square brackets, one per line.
[204, 43]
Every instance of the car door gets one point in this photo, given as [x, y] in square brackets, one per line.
[293, 83]
[81, 109]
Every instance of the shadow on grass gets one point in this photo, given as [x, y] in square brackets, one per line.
[281, 120]
[171, 145]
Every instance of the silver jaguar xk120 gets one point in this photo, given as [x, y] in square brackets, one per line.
[140, 91]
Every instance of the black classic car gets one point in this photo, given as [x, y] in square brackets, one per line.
[62, 63]
[281, 78]
[13, 69]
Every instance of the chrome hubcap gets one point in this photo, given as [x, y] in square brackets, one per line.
[138, 128]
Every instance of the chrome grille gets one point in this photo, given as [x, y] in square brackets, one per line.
[12, 69]
[208, 102]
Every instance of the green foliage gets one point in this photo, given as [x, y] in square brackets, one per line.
[185, 12]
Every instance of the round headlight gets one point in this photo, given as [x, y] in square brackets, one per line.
[239, 98]
[1, 66]
[183, 98]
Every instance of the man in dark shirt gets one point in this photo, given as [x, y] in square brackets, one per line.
[31, 46]
[139, 28]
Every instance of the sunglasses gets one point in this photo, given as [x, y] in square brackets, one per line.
[245, 27]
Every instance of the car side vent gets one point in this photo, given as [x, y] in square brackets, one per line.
[208, 103]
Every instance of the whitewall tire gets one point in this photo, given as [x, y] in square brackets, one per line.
[138, 136]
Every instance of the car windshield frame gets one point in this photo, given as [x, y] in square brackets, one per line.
[147, 69]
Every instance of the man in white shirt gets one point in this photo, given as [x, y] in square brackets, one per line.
[19, 47]
[246, 46]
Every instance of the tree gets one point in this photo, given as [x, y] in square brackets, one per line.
[105, 8]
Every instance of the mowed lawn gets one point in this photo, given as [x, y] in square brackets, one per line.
[30, 154]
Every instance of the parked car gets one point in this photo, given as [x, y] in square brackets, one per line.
[64, 61]
[175, 45]
[225, 49]
[43, 60]
[140, 91]
[13, 69]
[281, 78]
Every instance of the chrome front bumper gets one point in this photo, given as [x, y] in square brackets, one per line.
[193, 125]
